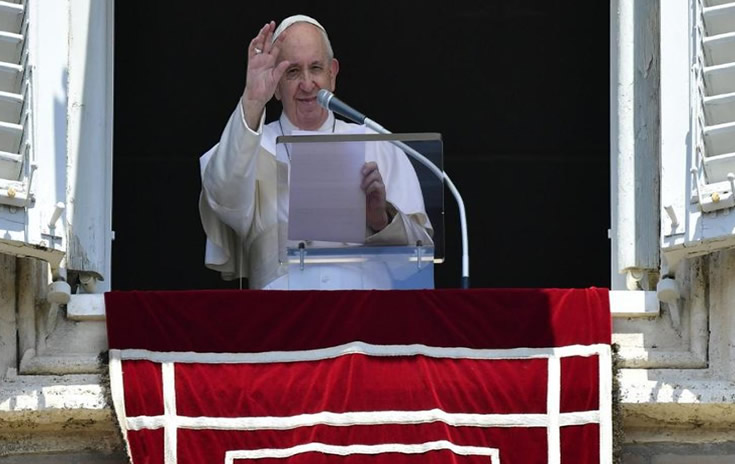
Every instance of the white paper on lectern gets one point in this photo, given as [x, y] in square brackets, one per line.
[325, 199]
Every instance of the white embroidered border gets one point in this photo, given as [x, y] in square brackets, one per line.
[421, 448]
[553, 401]
[361, 348]
[553, 420]
[170, 425]
[118, 397]
[605, 404]
[348, 419]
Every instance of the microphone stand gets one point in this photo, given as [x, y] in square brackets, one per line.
[442, 175]
[327, 100]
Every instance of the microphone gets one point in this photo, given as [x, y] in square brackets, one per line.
[327, 100]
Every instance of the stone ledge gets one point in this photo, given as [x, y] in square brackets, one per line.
[52, 399]
[623, 303]
[29, 445]
[59, 365]
[49, 413]
[56, 413]
[73, 457]
[651, 400]
[633, 303]
[641, 358]
[86, 307]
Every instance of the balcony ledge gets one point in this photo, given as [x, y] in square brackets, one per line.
[623, 304]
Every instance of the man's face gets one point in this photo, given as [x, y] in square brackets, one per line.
[310, 69]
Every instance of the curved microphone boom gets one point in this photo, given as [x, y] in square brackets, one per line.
[327, 100]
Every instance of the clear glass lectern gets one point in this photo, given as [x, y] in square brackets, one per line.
[328, 243]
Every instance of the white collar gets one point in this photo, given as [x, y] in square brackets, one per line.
[288, 127]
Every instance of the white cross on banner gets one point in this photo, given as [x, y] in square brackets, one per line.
[356, 377]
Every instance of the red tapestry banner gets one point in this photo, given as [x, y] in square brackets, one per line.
[512, 376]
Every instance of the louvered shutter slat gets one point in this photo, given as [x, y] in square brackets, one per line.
[719, 19]
[11, 16]
[720, 139]
[720, 109]
[11, 97]
[718, 77]
[720, 48]
[10, 106]
[719, 165]
[10, 47]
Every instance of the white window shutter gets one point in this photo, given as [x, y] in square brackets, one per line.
[718, 100]
[634, 154]
[89, 142]
[56, 69]
[33, 59]
[697, 127]
[14, 110]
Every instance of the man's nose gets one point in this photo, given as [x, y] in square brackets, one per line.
[308, 83]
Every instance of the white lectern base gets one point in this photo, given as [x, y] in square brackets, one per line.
[361, 268]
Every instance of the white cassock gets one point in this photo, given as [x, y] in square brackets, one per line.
[242, 203]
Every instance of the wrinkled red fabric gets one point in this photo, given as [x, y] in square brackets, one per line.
[268, 321]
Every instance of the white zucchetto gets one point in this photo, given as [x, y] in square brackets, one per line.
[291, 20]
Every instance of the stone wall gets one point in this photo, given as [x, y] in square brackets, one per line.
[677, 378]
[680, 453]
[70, 458]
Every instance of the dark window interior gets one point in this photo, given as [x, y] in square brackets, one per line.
[519, 91]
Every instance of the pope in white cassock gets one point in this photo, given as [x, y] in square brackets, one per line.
[239, 205]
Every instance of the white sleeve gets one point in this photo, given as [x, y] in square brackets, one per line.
[228, 173]
[404, 229]
[403, 193]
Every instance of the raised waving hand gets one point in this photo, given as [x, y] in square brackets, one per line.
[263, 73]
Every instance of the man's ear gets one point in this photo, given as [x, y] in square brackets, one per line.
[334, 69]
[278, 92]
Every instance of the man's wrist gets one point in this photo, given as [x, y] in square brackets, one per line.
[389, 213]
[252, 113]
